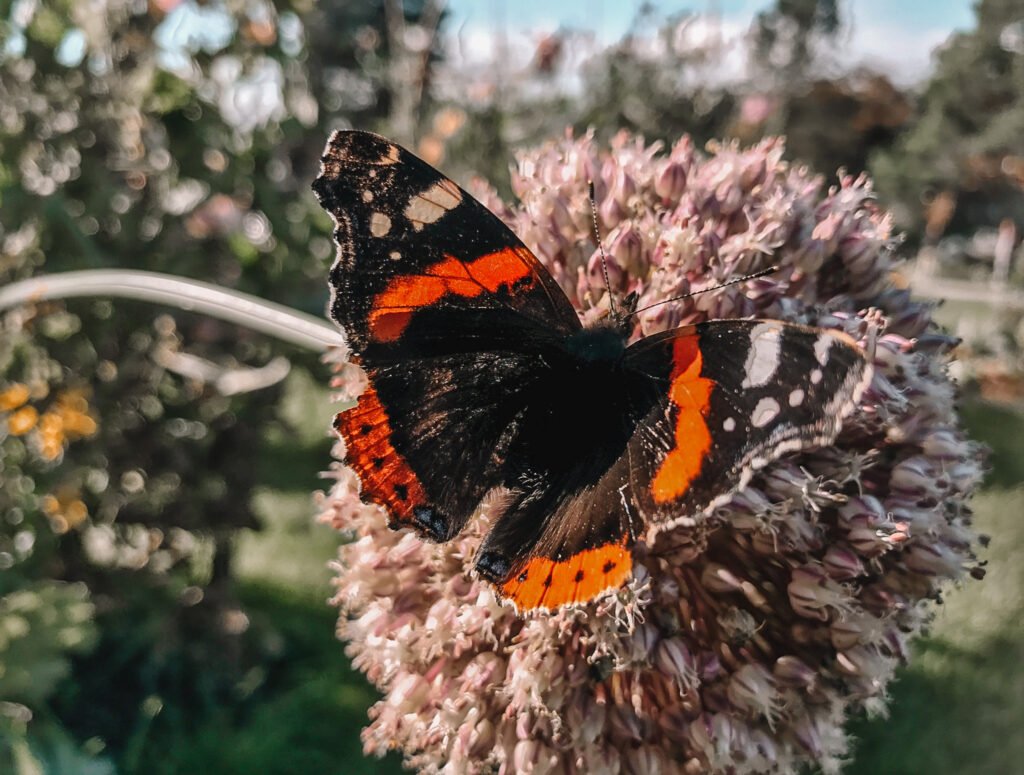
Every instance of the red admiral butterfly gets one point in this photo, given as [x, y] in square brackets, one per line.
[482, 376]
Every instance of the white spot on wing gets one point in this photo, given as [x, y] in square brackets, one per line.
[821, 347]
[428, 206]
[816, 376]
[444, 193]
[763, 356]
[367, 195]
[729, 424]
[767, 409]
[796, 397]
[394, 255]
[380, 224]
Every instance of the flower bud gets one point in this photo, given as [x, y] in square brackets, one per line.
[842, 564]
[812, 593]
[806, 732]
[917, 476]
[934, 560]
[675, 660]
[617, 277]
[792, 671]
[670, 181]
[626, 246]
[753, 689]
[718, 578]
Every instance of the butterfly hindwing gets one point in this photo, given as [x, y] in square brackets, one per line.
[424, 434]
[566, 533]
[695, 412]
[559, 545]
[738, 394]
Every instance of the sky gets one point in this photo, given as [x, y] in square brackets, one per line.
[894, 35]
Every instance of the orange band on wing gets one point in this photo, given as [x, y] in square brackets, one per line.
[393, 307]
[386, 477]
[545, 583]
[691, 394]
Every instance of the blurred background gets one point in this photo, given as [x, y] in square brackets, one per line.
[163, 585]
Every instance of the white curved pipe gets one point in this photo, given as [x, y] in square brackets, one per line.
[193, 295]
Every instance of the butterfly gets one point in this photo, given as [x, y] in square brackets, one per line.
[481, 376]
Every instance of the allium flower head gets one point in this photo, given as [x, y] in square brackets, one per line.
[744, 639]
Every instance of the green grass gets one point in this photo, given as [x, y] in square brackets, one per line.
[290, 549]
[959, 707]
[310, 714]
[1002, 430]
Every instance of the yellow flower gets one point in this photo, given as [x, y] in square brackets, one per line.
[66, 510]
[51, 435]
[73, 400]
[13, 397]
[22, 421]
[72, 410]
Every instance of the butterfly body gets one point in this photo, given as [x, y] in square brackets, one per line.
[481, 378]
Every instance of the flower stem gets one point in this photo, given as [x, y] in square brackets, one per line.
[193, 295]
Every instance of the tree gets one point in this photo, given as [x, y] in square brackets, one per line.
[787, 37]
[967, 142]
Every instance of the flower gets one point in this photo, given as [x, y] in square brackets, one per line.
[742, 642]
[22, 420]
[65, 420]
[65, 509]
[14, 396]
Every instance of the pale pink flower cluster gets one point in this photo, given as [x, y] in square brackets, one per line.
[742, 644]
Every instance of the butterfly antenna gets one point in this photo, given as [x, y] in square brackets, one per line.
[600, 246]
[736, 281]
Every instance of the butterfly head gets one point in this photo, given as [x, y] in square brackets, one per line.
[620, 316]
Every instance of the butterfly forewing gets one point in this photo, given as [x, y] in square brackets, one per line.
[737, 395]
[411, 241]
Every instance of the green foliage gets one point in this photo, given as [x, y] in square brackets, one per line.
[41, 625]
[659, 97]
[665, 78]
[124, 143]
[306, 718]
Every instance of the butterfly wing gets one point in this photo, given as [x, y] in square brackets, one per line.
[563, 544]
[413, 245]
[448, 313]
[738, 394]
[702, 407]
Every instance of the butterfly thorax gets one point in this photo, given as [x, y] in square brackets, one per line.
[601, 343]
